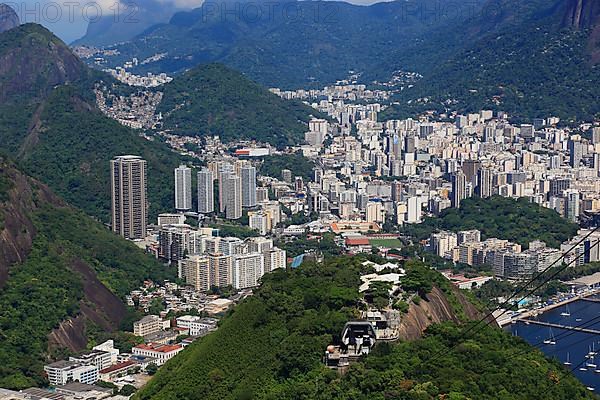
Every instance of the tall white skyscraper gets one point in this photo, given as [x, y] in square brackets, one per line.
[183, 188]
[224, 171]
[248, 186]
[413, 215]
[206, 194]
[129, 205]
[232, 196]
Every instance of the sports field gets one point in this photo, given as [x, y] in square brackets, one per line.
[390, 243]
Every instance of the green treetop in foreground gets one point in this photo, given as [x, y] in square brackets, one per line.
[271, 345]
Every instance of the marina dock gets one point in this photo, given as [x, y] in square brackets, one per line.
[567, 327]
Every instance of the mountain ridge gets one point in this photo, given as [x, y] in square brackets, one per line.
[8, 18]
[51, 126]
[212, 99]
[60, 274]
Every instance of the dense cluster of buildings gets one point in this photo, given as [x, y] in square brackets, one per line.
[136, 111]
[507, 259]
[148, 81]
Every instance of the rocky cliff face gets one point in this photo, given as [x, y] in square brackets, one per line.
[582, 14]
[20, 198]
[17, 231]
[33, 62]
[585, 15]
[435, 310]
[8, 18]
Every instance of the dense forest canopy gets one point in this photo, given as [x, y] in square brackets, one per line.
[519, 221]
[271, 347]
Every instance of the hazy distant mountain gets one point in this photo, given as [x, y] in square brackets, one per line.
[134, 19]
[533, 59]
[529, 58]
[8, 18]
[294, 43]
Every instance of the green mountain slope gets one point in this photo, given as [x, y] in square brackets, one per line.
[519, 221]
[57, 264]
[529, 58]
[215, 100]
[271, 347]
[293, 43]
[50, 124]
[534, 59]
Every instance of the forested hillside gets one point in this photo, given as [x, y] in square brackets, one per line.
[56, 263]
[50, 124]
[215, 100]
[528, 58]
[271, 347]
[519, 221]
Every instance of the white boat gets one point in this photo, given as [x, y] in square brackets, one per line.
[566, 313]
[551, 340]
[591, 363]
[583, 369]
[592, 352]
[591, 389]
[577, 319]
[568, 362]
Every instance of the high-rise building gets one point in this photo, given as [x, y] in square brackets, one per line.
[248, 175]
[572, 205]
[375, 212]
[232, 196]
[129, 205]
[413, 214]
[275, 258]
[195, 271]
[484, 182]
[183, 188]
[459, 188]
[262, 194]
[576, 148]
[224, 171]
[220, 271]
[596, 135]
[206, 194]
[470, 169]
[259, 221]
[286, 175]
[247, 269]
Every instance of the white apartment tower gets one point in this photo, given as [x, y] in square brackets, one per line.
[459, 188]
[206, 195]
[232, 196]
[129, 205]
[248, 175]
[183, 188]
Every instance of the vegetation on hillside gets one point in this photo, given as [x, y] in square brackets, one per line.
[325, 244]
[47, 288]
[72, 155]
[53, 129]
[519, 221]
[271, 347]
[215, 100]
[278, 333]
[523, 61]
